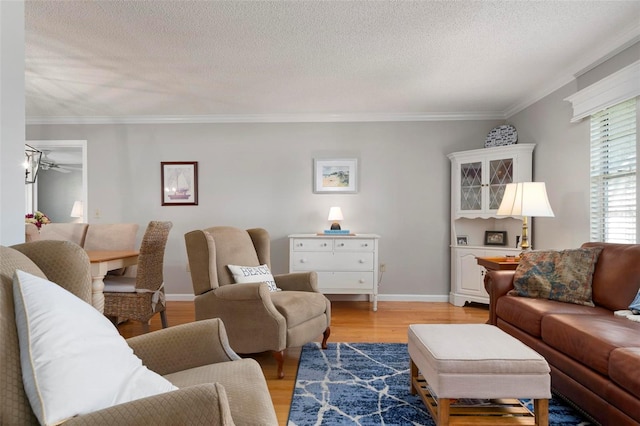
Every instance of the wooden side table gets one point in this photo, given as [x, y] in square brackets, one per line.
[498, 263]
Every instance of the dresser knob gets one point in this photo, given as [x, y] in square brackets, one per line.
[361, 281]
[303, 260]
[341, 245]
[365, 245]
[361, 261]
[324, 245]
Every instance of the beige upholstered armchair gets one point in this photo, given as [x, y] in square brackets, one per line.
[256, 318]
[216, 387]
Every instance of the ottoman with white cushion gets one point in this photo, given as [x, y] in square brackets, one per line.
[477, 362]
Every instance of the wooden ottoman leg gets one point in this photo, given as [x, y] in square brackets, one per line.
[541, 411]
[443, 411]
[412, 378]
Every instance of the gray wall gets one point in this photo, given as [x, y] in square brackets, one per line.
[57, 192]
[562, 157]
[260, 175]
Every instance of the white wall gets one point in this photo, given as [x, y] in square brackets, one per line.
[57, 192]
[260, 175]
[12, 118]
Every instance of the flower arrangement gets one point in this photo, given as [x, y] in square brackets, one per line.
[38, 219]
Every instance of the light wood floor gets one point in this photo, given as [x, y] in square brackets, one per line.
[350, 322]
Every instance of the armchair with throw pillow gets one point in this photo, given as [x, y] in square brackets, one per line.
[63, 361]
[230, 272]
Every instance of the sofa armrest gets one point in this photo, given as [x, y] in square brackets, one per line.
[497, 284]
[298, 281]
[184, 346]
[205, 404]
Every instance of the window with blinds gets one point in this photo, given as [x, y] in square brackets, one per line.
[613, 174]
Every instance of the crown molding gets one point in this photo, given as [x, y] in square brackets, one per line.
[599, 55]
[611, 90]
[267, 118]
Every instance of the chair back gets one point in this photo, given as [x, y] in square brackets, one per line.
[210, 251]
[62, 262]
[111, 236]
[151, 257]
[31, 232]
[74, 232]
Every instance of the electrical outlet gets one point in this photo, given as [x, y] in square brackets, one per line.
[383, 267]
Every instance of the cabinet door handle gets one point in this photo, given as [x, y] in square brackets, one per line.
[341, 245]
[300, 244]
[365, 245]
[324, 244]
[361, 281]
[303, 260]
[361, 261]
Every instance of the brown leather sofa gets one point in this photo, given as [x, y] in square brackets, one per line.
[594, 356]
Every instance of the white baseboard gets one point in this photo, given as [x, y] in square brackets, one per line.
[381, 297]
[179, 297]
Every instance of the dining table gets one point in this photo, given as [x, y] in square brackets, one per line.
[103, 261]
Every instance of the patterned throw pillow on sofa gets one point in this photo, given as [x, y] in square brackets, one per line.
[564, 275]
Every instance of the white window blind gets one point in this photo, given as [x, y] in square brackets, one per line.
[613, 174]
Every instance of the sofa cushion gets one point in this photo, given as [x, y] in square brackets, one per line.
[590, 339]
[616, 280]
[244, 383]
[526, 313]
[624, 369]
[73, 359]
[299, 306]
[564, 275]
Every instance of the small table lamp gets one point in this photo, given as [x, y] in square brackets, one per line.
[77, 210]
[335, 214]
[525, 199]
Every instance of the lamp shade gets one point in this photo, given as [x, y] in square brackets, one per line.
[335, 213]
[77, 209]
[525, 199]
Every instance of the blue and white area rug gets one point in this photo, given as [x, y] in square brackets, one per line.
[368, 384]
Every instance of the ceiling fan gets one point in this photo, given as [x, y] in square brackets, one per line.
[47, 163]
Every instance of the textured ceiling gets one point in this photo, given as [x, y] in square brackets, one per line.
[278, 60]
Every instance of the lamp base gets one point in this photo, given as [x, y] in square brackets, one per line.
[335, 226]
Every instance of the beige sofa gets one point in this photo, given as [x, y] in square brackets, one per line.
[216, 386]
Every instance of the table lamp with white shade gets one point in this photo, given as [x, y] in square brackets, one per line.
[335, 215]
[525, 199]
[77, 210]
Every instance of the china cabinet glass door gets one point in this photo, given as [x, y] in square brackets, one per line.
[471, 186]
[500, 174]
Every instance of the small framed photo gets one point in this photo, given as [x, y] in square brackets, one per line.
[179, 182]
[335, 176]
[495, 238]
[462, 240]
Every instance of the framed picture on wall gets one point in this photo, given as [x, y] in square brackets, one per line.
[335, 175]
[179, 182]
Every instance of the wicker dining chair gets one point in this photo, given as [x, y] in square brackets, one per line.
[139, 298]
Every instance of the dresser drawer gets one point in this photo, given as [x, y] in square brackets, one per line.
[312, 244]
[345, 282]
[345, 244]
[329, 261]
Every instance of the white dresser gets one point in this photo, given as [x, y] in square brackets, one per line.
[345, 264]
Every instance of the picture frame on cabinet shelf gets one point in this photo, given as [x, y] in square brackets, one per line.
[335, 176]
[495, 238]
[462, 240]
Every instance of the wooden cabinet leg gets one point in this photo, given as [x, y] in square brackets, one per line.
[279, 356]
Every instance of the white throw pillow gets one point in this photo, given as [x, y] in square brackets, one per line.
[253, 274]
[73, 359]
